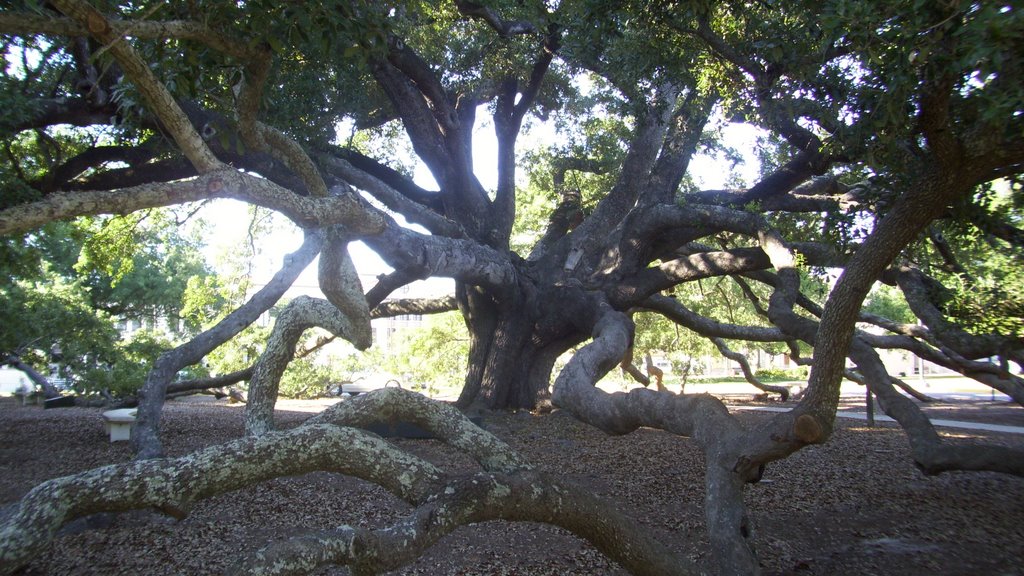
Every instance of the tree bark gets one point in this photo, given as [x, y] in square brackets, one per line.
[703, 418]
[300, 315]
[514, 344]
[212, 382]
[915, 287]
[146, 434]
[931, 453]
[508, 488]
[525, 496]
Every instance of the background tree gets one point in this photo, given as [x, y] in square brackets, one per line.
[75, 286]
[432, 356]
[881, 119]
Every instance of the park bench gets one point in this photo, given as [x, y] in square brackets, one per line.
[362, 386]
[118, 423]
[29, 396]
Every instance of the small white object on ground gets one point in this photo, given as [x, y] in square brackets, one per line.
[119, 423]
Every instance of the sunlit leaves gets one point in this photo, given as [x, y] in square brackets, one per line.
[435, 353]
[37, 313]
[111, 246]
[125, 372]
[888, 302]
[991, 304]
[70, 283]
[985, 281]
[901, 48]
[655, 333]
[240, 352]
[202, 301]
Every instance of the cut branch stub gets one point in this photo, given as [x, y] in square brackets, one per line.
[809, 430]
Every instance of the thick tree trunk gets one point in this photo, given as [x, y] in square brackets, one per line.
[480, 316]
[509, 358]
[516, 374]
[514, 345]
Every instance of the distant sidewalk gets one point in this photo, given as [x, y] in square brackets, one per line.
[883, 418]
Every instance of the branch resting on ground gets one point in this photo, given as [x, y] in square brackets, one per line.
[701, 417]
[146, 436]
[509, 488]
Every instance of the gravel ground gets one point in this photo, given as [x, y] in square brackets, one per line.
[855, 506]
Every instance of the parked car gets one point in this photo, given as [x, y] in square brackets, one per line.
[363, 384]
[664, 364]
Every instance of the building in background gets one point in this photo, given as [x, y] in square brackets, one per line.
[385, 330]
[12, 380]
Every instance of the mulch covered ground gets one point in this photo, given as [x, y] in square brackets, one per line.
[855, 506]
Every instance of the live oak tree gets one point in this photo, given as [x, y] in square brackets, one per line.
[886, 125]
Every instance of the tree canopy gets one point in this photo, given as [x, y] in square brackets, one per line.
[891, 152]
[71, 289]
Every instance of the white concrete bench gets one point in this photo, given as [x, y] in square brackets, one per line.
[29, 396]
[118, 423]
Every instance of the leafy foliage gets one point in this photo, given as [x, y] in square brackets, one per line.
[888, 302]
[781, 374]
[856, 86]
[907, 110]
[56, 294]
[127, 370]
[433, 355]
[305, 378]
